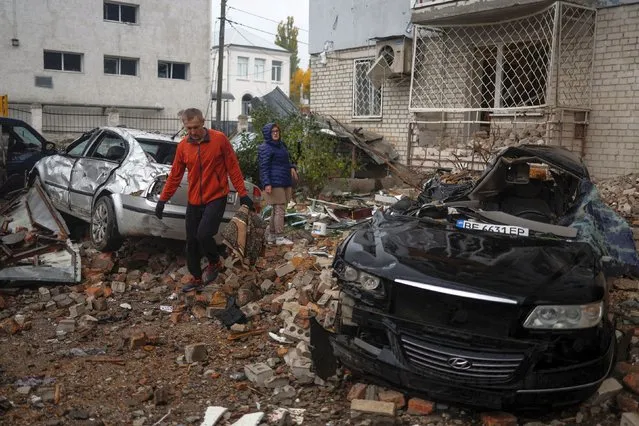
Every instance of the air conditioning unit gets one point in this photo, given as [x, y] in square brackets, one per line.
[394, 59]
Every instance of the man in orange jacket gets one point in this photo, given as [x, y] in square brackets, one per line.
[210, 160]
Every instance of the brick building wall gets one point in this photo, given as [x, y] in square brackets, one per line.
[612, 141]
[611, 144]
[332, 94]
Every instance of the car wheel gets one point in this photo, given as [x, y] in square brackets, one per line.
[104, 229]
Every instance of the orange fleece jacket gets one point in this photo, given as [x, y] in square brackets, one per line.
[209, 164]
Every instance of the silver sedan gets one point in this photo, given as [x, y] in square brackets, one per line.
[111, 177]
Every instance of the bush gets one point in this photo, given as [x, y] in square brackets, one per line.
[313, 151]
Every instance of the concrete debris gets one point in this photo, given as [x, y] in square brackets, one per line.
[195, 353]
[258, 373]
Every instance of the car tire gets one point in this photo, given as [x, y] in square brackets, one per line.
[104, 229]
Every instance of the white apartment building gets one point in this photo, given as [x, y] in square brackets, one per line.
[253, 66]
[104, 61]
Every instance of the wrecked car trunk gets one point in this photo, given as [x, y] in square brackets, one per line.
[34, 241]
[494, 296]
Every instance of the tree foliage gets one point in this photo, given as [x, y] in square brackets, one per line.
[301, 80]
[286, 38]
[313, 151]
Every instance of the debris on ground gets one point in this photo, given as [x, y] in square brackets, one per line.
[126, 346]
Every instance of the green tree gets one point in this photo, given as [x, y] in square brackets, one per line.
[286, 37]
[314, 152]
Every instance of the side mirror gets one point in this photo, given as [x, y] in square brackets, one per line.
[50, 148]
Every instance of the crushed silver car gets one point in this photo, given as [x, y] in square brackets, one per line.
[111, 177]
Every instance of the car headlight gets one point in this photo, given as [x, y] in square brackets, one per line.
[546, 317]
[363, 280]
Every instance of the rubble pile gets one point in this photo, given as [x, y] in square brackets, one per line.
[622, 194]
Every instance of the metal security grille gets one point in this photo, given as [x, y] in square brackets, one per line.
[543, 59]
[367, 99]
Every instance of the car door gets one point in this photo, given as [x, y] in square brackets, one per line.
[55, 171]
[91, 171]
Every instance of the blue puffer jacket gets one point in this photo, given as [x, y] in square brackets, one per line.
[274, 160]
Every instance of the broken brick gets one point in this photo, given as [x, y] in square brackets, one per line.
[498, 419]
[627, 402]
[631, 381]
[357, 391]
[94, 291]
[392, 396]
[373, 407]
[420, 407]
[137, 340]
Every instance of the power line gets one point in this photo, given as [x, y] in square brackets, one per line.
[257, 29]
[262, 17]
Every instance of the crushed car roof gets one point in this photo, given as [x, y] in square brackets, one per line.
[139, 134]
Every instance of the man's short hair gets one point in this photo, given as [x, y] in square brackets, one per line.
[191, 113]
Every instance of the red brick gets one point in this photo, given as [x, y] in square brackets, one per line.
[498, 419]
[417, 406]
[94, 291]
[392, 396]
[631, 381]
[624, 368]
[103, 262]
[627, 402]
[108, 292]
[357, 391]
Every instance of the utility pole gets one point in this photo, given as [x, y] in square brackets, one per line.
[220, 68]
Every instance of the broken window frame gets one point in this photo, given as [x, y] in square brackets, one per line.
[242, 67]
[171, 68]
[118, 65]
[370, 108]
[135, 9]
[276, 71]
[64, 61]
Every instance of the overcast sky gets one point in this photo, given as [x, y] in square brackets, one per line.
[267, 12]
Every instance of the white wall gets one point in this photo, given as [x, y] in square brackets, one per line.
[351, 24]
[166, 30]
[253, 86]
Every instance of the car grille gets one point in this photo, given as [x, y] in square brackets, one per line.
[476, 366]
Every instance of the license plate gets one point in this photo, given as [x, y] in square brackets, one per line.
[491, 227]
[231, 197]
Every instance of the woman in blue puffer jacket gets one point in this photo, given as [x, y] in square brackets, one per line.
[277, 174]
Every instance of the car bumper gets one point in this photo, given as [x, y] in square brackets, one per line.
[528, 389]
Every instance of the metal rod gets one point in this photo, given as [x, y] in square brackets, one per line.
[220, 67]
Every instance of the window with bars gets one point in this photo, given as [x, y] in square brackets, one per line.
[242, 66]
[62, 61]
[119, 12]
[276, 71]
[173, 70]
[120, 66]
[260, 65]
[367, 99]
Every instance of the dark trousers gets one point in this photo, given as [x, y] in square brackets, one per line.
[202, 223]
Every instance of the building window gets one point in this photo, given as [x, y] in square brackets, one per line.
[62, 61]
[367, 100]
[246, 104]
[172, 70]
[242, 67]
[117, 12]
[120, 66]
[260, 64]
[276, 71]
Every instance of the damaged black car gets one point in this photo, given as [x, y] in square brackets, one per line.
[492, 294]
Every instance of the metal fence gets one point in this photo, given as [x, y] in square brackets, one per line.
[20, 112]
[151, 122]
[541, 60]
[71, 119]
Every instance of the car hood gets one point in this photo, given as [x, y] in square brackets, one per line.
[526, 269]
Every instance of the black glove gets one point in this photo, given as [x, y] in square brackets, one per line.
[246, 201]
[159, 208]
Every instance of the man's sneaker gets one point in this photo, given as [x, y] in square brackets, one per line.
[212, 271]
[193, 284]
[283, 241]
